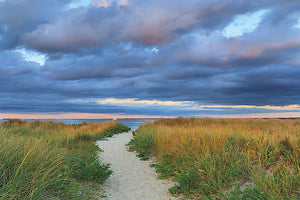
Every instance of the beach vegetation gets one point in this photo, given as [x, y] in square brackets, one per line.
[225, 158]
[52, 160]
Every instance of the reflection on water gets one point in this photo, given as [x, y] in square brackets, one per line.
[132, 123]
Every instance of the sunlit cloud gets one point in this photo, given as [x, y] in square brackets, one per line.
[268, 107]
[94, 3]
[298, 24]
[101, 3]
[78, 3]
[193, 105]
[143, 102]
[259, 115]
[244, 24]
[154, 50]
[32, 56]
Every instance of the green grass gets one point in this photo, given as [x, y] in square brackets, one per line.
[225, 158]
[47, 160]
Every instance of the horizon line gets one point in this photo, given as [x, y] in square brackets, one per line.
[102, 116]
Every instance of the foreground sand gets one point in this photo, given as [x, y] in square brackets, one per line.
[132, 179]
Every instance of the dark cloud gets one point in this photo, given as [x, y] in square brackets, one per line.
[163, 50]
[144, 22]
[18, 17]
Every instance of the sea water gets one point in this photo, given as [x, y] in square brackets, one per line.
[131, 123]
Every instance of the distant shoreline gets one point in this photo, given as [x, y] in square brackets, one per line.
[154, 118]
[92, 118]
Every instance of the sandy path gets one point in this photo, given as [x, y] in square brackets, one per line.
[132, 179]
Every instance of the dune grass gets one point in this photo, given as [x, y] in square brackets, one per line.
[225, 158]
[47, 160]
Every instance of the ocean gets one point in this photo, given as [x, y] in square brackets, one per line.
[131, 123]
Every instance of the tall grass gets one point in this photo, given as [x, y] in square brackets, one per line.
[226, 158]
[47, 160]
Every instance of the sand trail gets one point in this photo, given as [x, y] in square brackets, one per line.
[132, 179]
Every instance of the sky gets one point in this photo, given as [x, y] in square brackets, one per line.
[147, 58]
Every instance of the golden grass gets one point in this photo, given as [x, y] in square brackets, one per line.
[219, 153]
[47, 160]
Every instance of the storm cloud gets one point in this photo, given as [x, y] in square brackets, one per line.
[148, 50]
